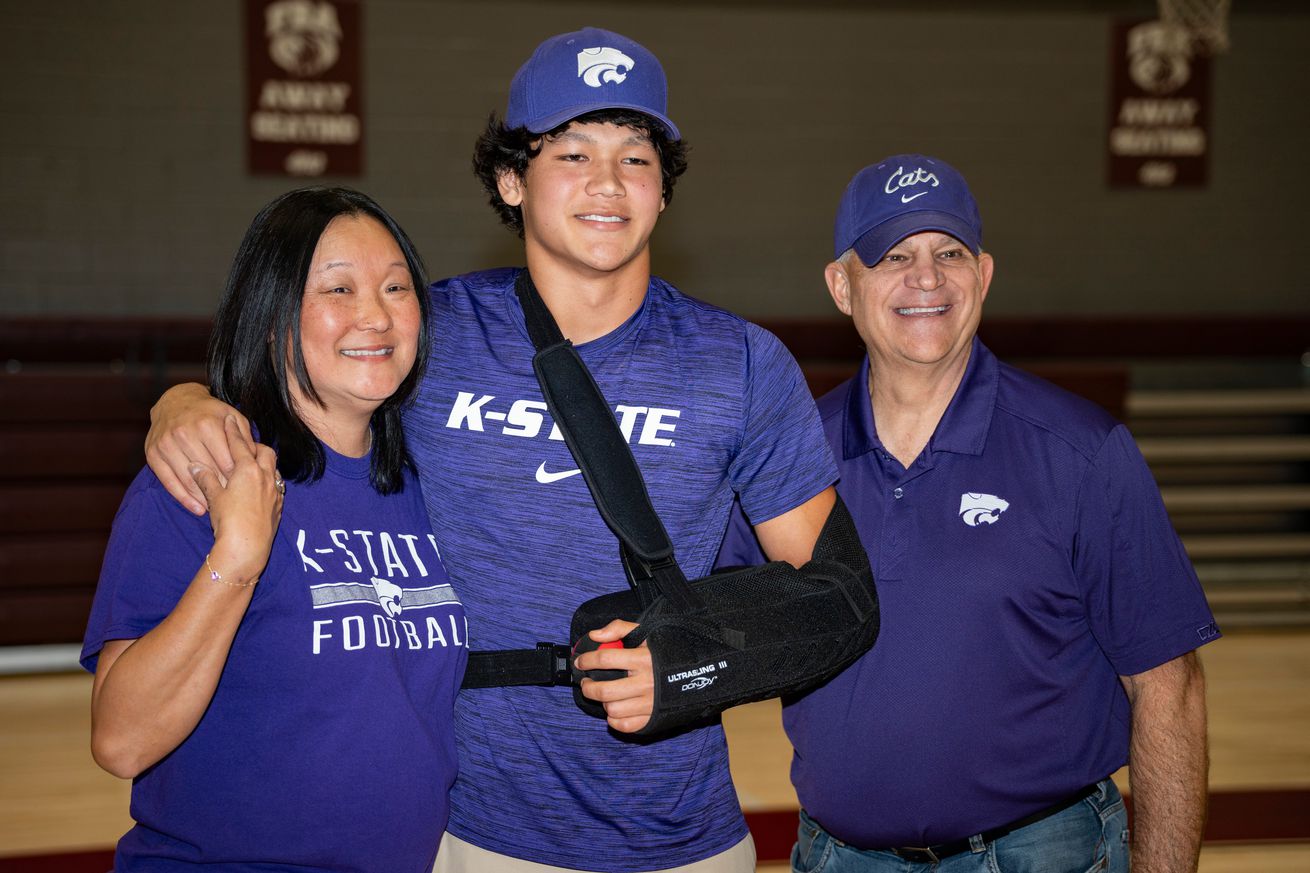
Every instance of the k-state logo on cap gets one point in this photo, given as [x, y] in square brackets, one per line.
[976, 509]
[596, 66]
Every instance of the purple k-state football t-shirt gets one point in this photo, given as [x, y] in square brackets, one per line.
[328, 745]
[711, 406]
[1024, 562]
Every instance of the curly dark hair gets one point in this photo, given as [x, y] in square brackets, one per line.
[501, 148]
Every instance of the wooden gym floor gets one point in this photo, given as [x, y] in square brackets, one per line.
[60, 814]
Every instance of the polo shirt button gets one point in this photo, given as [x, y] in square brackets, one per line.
[898, 494]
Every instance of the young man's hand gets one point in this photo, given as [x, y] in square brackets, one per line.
[187, 428]
[628, 702]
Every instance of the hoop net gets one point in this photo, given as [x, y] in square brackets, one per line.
[1205, 20]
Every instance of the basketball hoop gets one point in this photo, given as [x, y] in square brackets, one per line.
[1205, 20]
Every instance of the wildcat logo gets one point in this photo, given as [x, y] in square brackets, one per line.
[596, 66]
[389, 595]
[976, 509]
[699, 684]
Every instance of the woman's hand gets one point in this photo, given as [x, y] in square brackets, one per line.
[245, 512]
[150, 693]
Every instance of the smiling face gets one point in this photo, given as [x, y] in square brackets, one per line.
[359, 326]
[590, 200]
[918, 306]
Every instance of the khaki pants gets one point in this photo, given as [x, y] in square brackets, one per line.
[457, 856]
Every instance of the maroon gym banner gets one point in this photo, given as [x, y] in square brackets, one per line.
[1159, 132]
[303, 95]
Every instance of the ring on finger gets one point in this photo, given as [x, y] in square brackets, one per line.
[280, 485]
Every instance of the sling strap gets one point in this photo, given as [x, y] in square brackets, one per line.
[726, 639]
[547, 664]
[592, 434]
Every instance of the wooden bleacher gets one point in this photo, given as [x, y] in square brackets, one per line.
[75, 395]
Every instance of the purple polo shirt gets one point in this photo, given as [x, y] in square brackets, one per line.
[1024, 562]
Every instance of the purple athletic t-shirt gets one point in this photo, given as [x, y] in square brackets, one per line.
[712, 406]
[1024, 562]
[328, 745]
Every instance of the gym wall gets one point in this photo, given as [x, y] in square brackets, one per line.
[123, 188]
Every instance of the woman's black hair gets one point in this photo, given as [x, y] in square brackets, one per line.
[502, 148]
[257, 333]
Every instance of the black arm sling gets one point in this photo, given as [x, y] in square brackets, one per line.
[730, 638]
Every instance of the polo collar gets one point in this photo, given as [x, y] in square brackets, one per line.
[964, 426]
[859, 436]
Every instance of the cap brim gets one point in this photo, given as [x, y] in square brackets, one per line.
[877, 241]
[555, 119]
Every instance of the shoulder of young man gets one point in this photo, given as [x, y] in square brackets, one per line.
[478, 280]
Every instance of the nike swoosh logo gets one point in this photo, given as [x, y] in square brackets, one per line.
[545, 477]
[905, 199]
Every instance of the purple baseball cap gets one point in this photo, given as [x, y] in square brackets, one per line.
[900, 196]
[576, 73]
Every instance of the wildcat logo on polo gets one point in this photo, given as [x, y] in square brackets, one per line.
[976, 509]
[597, 66]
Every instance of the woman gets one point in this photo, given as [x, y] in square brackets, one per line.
[282, 692]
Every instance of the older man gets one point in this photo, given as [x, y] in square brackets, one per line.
[1039, 612]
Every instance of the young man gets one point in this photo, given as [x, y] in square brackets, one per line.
[582, 167]
[1040, 612]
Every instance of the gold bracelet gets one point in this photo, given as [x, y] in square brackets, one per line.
[218, 577]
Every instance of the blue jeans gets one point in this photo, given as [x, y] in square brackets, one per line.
[1089, 837]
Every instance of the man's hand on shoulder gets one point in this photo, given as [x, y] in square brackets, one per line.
[187, 428]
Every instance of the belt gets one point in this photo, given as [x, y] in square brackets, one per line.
[933, 854]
